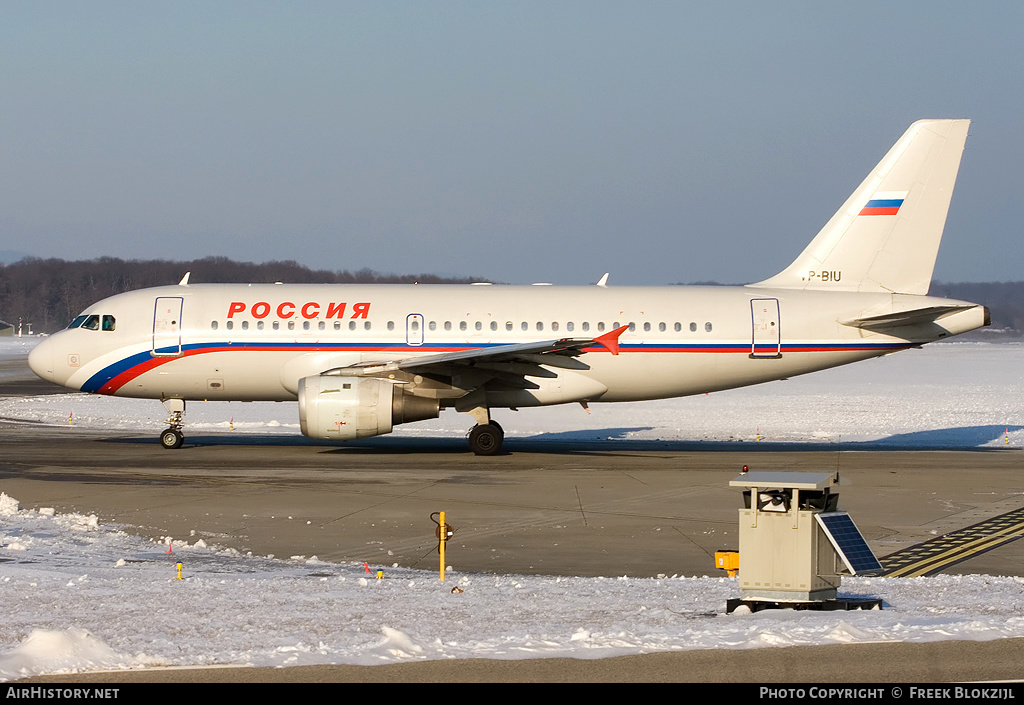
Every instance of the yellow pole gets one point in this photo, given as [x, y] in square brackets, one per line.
[444, 535]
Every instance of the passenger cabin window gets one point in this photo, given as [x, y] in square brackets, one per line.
[213, 325]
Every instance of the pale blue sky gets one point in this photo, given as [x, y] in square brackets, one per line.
[549, 141]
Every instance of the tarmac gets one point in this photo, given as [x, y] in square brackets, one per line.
[543, 507]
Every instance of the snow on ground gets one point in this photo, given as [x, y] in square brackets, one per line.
[82, 595]
[13, 348]
[79, 594]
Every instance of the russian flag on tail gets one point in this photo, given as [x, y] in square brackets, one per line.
[884, 203]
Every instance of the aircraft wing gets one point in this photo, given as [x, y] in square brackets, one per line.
[509, 363]
[563, 347]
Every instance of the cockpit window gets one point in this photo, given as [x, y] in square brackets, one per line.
[93, 322]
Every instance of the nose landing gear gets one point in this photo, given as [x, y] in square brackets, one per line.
[172, 437]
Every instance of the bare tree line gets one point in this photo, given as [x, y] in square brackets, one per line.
[48, 293]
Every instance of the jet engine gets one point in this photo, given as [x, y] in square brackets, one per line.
[338, 408]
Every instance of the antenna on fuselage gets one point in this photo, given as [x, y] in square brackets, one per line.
[184, 279]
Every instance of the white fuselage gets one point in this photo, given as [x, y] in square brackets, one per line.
[255, 342]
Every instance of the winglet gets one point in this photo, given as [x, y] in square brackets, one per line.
[184, 279]
[611, 340]
[604, 280]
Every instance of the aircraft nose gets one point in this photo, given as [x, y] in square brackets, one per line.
[40, 360]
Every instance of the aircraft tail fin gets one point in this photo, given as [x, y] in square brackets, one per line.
[886, 236]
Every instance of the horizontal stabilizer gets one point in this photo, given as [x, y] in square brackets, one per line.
[913, 317]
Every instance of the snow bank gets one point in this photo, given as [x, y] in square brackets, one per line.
[80, 595]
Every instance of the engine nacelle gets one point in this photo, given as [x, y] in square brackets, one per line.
[345, 408]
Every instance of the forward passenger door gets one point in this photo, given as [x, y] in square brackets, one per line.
[167, 326]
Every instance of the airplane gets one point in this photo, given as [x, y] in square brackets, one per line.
[361, 359]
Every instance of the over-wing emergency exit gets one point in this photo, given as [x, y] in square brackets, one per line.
[362, 359]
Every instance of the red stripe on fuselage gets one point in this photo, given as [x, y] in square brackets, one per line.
[128, 375]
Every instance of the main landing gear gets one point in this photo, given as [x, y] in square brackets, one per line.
[486, 438]
[172, 437]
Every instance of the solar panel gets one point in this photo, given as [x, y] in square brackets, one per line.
[849, 543]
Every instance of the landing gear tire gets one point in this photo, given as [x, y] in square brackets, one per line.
[172, 438]
[486, 439]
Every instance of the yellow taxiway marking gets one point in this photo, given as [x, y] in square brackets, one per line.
[932, 556]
